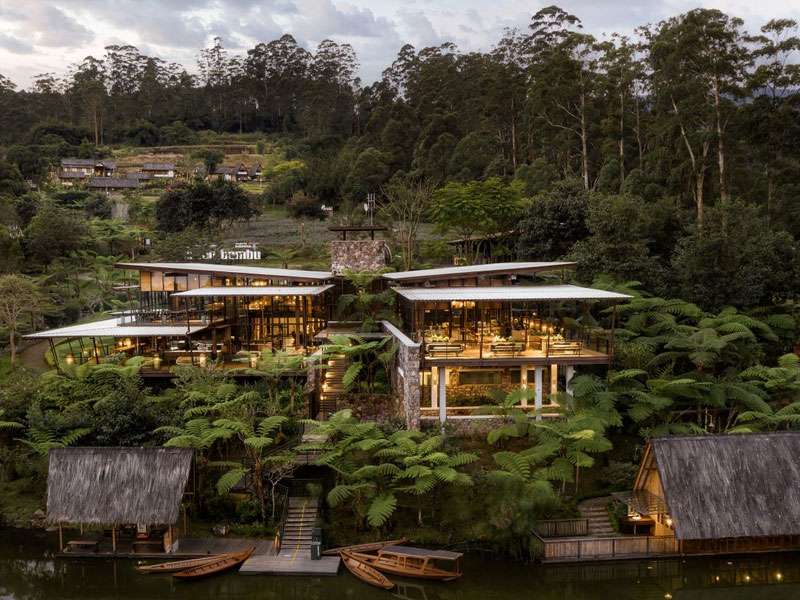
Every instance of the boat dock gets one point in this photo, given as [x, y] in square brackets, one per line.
[263, 564]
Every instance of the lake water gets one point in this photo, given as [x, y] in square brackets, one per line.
[28, 571]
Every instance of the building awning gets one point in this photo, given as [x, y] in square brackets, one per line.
[544, 293]
[116, 328]
[234, 270]
[510, 268]
[256, 291]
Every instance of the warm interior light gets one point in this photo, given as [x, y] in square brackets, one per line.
[70, 359]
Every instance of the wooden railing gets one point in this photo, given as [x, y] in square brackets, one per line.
[562, 528]
[608, 548]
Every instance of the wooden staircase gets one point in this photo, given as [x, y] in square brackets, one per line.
[332, 386]
[596, 511]
[301, 515]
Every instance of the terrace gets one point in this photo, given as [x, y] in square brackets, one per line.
[508, 325]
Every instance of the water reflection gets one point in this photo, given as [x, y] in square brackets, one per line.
[28, 572]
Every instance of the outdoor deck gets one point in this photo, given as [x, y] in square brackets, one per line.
[263, 564]
[186, 548]
[579, 549]
[472, 356]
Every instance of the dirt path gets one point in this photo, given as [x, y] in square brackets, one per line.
[32, 356]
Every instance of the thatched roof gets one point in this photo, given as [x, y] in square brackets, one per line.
[729, 486]
[116, 486]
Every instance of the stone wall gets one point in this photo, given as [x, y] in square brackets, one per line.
[405, 374]
[358, 255]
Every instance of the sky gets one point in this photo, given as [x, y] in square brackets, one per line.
[40, 36]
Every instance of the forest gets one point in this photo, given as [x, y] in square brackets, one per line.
[665, 163]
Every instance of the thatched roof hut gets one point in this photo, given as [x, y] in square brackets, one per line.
[117, 486]
[728, 486]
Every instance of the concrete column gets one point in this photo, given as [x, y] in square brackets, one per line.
[442, 395]
[523, 383]
[568, 375]
[434, 386]
[553, 380]
[538, 388]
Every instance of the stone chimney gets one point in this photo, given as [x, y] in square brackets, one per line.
[358, 254]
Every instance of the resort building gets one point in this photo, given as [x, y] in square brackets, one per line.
[461, 332]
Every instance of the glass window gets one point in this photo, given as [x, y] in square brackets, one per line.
[169, 283]
[193, 281]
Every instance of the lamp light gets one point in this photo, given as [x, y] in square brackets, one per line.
[156, 361]
[69, 359]
[203, 360]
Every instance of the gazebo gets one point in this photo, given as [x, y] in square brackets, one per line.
[118, 487]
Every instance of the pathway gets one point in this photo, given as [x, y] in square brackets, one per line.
[596, 512]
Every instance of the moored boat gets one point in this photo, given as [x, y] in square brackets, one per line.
[408, 561]
[365, 572]
[179, 565]
[366, 547]
[225, 563]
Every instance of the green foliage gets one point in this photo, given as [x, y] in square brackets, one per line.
[201, 205]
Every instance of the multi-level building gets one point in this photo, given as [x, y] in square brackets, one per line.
[460, 331]
[79, 170]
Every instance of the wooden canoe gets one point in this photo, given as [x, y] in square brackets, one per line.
[179, 565]
[367, 547]
[366, 573]
[407, 566]
[225, 563]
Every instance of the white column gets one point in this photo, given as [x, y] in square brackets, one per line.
[538, 387]
[553, 380]
[568, 375]
[523, 382]
[442, 394]
[434, 385]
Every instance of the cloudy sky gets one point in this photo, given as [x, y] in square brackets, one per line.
[38, 36]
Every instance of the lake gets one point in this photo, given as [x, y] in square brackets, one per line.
[28, 571]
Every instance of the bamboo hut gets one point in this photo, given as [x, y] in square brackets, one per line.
[136, 488]
[720, 494]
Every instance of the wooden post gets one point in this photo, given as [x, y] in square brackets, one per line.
[114, 539]
[60, 538]
[96, 353]
[55, 354]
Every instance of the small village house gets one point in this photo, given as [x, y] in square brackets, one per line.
[134, 492]
[159, 170]
[74, 170]
[108, 185]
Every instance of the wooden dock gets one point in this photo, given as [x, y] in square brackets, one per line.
[263, 564]
[187, 548]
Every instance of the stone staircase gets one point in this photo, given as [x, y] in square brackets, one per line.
[597, 514]
[332, 386]
[301, 515]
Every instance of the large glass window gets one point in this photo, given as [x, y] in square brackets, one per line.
[157, 281]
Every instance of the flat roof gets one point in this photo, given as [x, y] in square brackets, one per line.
[190, 267]
[509, 292]
[487, 269]
[115, 328]
[286, 290]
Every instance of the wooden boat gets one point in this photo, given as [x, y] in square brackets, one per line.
[179, 565]
[414, 562]
[367, 547]
[222, 564]
[365, 573]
